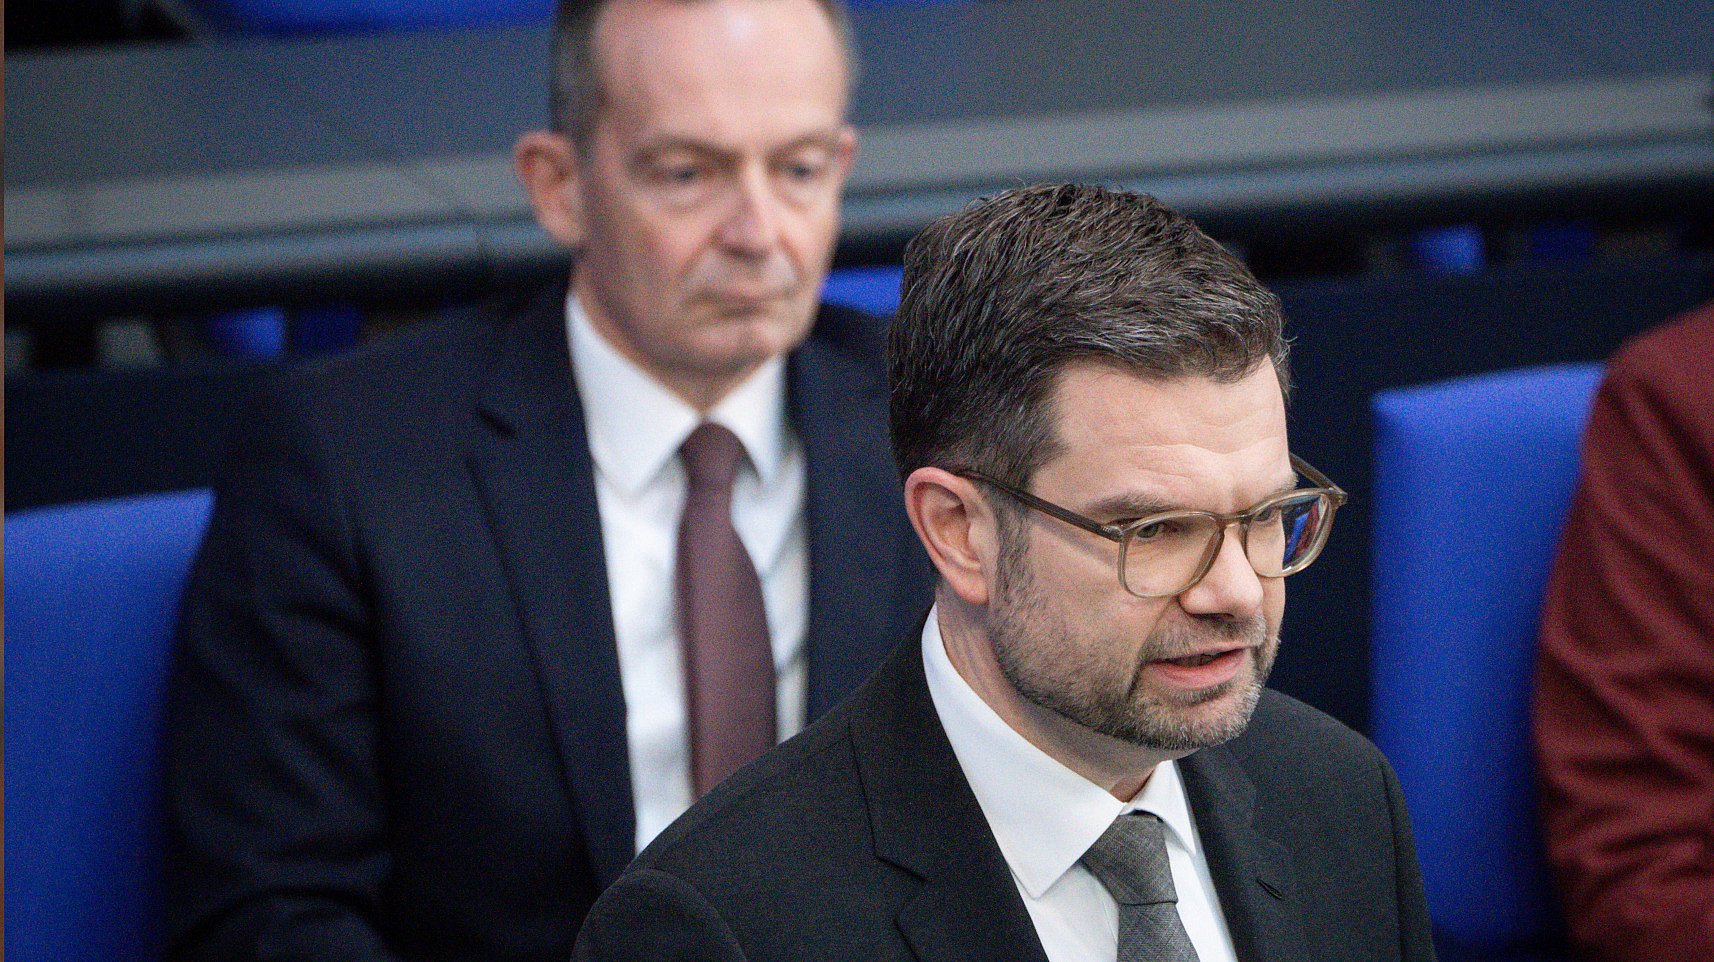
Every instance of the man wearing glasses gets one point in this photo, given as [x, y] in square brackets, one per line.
[1076, 759]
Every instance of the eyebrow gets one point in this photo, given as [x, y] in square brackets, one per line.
[655, 150]
[1127, 506]
[828, 139]
[1122, 506]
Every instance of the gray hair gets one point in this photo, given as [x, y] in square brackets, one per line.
[575, 95]
[999, 297]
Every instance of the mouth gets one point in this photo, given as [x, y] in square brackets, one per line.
[734, 300]
[1204, 669]
[1197, 661]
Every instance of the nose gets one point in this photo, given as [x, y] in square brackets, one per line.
[752, 227]
[1231, 588]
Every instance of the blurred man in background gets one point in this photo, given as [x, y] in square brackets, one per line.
[482, 609]
[1624, 704]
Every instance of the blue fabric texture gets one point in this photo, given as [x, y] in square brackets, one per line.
[92, 591]
[874, 290]
[1473, 478]
[335, 16]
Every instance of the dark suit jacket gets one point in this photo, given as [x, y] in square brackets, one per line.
[860, 839]
[397, 727]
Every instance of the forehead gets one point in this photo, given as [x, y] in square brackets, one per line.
[722, 71]
[1189, 430]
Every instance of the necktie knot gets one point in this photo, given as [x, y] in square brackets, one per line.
[1130, 860]
[711, 455]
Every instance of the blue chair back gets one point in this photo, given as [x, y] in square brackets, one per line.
[92, 593]
[1473, 478]
[872, 289]
[288, 17]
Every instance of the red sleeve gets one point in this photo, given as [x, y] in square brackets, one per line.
[1624, 710]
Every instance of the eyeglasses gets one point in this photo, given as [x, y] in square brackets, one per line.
[1166, 554]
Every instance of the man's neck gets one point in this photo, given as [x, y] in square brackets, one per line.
[699, 389]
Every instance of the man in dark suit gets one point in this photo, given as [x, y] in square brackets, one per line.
[473, 621]
[1075, 756]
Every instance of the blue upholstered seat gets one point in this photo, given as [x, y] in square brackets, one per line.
[872, 289]
[92, 591]
[1473, 478]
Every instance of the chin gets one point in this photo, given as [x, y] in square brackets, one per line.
[1220, 715]
[1191, 721]
[738, 355]
[755, 337]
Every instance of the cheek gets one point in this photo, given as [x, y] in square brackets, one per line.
[1118, 627]
[1143, 625]
[808, 233]
[640, 241]
[1273, 603]
[666, 248]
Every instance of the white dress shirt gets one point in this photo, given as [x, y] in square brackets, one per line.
[635, 428]
[1045, 816]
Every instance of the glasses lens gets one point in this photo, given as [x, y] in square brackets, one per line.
[1164, 556]
[1285, 538]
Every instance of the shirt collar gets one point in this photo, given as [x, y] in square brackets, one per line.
[636, 425]
[1043, 815]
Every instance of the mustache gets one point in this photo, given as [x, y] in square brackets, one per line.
[1181, 641]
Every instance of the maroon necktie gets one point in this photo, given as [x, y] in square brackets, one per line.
[728, 662]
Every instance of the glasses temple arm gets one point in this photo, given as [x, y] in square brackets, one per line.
[1107, 531]
[1320, 480]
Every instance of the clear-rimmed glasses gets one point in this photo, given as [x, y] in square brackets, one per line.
[1166, 554]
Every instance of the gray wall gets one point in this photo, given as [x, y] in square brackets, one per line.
[173, 175]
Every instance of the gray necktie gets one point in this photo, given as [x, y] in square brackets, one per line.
[728, 660]
[1130, 860]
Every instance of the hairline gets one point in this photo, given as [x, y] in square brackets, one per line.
[1228, 335]
[563, 104]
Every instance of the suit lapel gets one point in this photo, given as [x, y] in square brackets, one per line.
[1252, 872]
[838, 408]
[926, 821]
[534, 473]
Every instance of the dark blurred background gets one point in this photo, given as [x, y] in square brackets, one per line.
[198, 193]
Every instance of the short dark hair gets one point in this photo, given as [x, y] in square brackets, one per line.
[574, 83]
[1001, 296]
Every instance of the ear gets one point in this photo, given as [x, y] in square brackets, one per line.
[958, 529]
[846, 151]
[547, 165]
